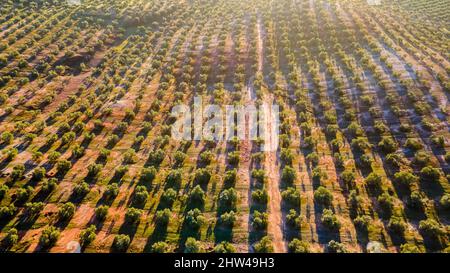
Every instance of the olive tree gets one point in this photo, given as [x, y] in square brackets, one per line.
[265, 245]
[298, 246]
[330, 220]
[87, 235]
[66, 211]
[121, 242]
[192, 246]
[323, 196]
[49, 236]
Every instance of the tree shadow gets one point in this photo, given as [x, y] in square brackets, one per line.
[159, 234]
[186, 232]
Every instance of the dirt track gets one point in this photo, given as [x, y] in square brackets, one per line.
[275, 227]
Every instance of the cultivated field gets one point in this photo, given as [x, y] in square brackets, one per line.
[87, 161]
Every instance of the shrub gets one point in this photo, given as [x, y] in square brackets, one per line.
[23, 194]
[388, 145]
[405, 178]
[121, 242]
[140, 195]
[421, 158]
[438, 141]
[397, 224]
[17, 172]
[36, 156]
[148, 174]
[63, 166]
[197, 195]
[447, 157]
[259, 175]
[163, 216]
[264, 245]
[179, 157]
[53, 157]
[194, 219]
[313, 158]
[11, 238]
[81, 189]
[129, 157]
[224, 247]
[112, 140]
[7, 138]
[323, 196]
[121, 128]
[386, 203]
[260, 220]
[286, 156]
[67, 138]
[228, 199]
[160, 247]
[445, 201]
[49, 236]
[430, 174]
[202, 175]
[410, 248]
[66, 211]
[3, 190]
[336, 247]
[228, 218]
[121, 171]
[174, 177]
[132, 216]
[348, 177]
[297, 246]
[104, 153]
[293, 219]
[10, 153]
[355, 130]
[319, 174]
[6, 212]
[33, 209]
[169, 196]
[156, 157]
[258, 157]
[394, 159]
[416, 200]
[87, 235]
[291, 196]
[373, 180]
[331, 130]
[64, 128]
[192, 246]
[101, 212]
[362, 222]
[230, 177]
[288, 175]
[380, 127]
[360, 144]
[112, 190]
[233, 158]
[94, 170]
[431, 227]
[49, 185]
[413, 144]
[260, 196]
[330, 220]
[38, 174]
[206, 157]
